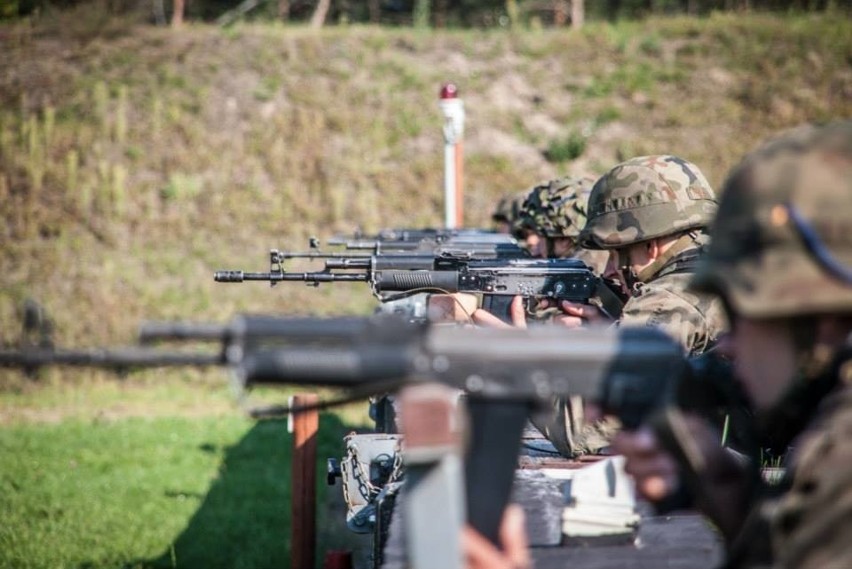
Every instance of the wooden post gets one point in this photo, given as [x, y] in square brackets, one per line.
[303, 537]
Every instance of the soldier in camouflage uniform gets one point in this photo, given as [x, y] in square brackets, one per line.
[782, 261]
[650, 213]
[556, 212]
[505, 215]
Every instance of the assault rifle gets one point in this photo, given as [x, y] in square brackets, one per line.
[399, 237]
[498, 280]
[417, 242]
[629, 372]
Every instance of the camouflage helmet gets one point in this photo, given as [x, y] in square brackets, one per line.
[645, 198]
[557, 208]
[782, 241]
[508, 208]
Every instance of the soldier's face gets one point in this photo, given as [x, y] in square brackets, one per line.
[536, 245]
[563, 247]
[764, 358]
[612, 272]
[630, 259]
[502, 227]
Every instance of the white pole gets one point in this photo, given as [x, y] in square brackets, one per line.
[453, 110]
[450, 185]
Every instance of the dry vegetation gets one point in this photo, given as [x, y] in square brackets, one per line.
[135, 161]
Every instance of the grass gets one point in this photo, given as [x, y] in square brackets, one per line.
[100, 473]
[166, 156]
[161, 492]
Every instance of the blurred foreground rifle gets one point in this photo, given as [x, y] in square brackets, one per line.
[394, 276]
[505, 373]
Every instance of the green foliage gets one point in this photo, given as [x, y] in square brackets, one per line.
[182, 187]
[650, 45]
[568, 148]
[607, 114]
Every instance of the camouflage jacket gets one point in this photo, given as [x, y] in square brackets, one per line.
[806, 521]
[694, 320]
[812, 528]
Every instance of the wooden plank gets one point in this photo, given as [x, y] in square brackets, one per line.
[303, 536]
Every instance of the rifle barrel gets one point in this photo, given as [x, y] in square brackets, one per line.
[117, 358]
[204, 332]
[320, 277]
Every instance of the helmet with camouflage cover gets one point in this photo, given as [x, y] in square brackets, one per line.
[557, 208]
[645, 198]
[782, 240]
[507, 208]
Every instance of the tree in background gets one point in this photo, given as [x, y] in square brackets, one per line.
[177, 14]
[319, 15]
[422, 13]
[419, 13]
[578, 13]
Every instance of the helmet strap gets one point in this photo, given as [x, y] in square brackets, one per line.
[683, 243]
[627, 272]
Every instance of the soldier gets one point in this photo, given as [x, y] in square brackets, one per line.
[556, 212]
[651, 213]
[781, 260]
[506, 213]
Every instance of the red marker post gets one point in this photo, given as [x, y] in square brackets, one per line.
[453, 110]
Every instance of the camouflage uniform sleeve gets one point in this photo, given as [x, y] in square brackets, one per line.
[694, 321]
[813, 524]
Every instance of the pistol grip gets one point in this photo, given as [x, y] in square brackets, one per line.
[499, 305]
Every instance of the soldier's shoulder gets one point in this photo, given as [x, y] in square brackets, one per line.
[674, 288]
[814, 517]
[828, 432]
[669, 290]
[665, 302]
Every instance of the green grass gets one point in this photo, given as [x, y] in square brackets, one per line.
[87, 484]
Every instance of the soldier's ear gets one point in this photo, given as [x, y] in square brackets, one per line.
[653, 248]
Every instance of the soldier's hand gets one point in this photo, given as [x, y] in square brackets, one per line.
[575, 314]
[481, 553]
[653, 468]
[587, 313]
[517, 314]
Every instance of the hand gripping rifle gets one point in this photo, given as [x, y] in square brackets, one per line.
[498, 280]
[629, 372]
